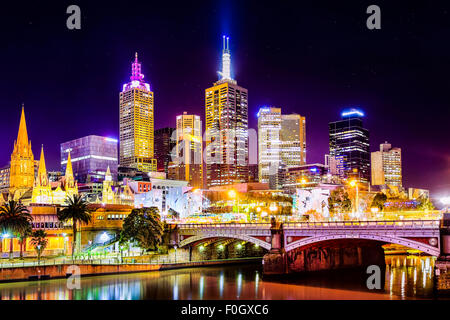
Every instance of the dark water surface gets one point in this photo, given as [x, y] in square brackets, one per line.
[407, 277]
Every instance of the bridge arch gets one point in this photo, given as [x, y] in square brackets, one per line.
[434, 251]
[243, 237]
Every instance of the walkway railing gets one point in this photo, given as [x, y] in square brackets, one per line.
[223, 225]
[321, 224]
[114, 261]
[398, 224]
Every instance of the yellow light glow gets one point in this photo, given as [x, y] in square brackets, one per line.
[232, 193]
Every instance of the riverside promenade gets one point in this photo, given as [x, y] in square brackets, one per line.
[64, 268]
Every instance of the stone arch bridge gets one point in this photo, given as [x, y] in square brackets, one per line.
[344, 242]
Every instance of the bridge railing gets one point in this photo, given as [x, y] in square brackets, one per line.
[224, 225]
[400, 224]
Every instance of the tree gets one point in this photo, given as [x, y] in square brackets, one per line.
[339, 201]
[39, 242]
[143, 226]
[77, 210]
[15, 219]
[378, 201]
[424, 203]
[22, 236]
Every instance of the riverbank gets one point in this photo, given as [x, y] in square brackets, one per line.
[46, 272]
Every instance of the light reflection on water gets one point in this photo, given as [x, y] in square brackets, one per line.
[406, 278]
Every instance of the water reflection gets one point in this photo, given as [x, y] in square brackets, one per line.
[406, 277]
[403, 273]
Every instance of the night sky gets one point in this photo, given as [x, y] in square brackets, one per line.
[314, 58]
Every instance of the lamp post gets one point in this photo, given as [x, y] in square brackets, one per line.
[65, 243]
[233, 195]
[175, 247]
[6, 236]
[354, 183]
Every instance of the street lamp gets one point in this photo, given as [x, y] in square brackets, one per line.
[233, 195]
[354, 183]
[175, 247]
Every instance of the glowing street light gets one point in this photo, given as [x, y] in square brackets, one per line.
[233, 195]
[354, 183]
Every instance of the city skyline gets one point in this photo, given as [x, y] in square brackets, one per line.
[424, 163]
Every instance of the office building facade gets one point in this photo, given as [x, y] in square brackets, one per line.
[281, 140]
[91, 157]
[165, 143]
[350, 140]
[226, 116]
[386, 166]
[136, 121]
[188, 162]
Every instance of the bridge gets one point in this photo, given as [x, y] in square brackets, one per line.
[304, 246]
[423, 235]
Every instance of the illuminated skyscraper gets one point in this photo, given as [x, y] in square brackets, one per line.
[22, 169]
[349, 139]
[137, 122]
[189, 156]
[226, 114]
[269, 143]
[293, 140]
[387, 166]
[281, 141]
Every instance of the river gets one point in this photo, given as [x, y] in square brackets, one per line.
[407, 277]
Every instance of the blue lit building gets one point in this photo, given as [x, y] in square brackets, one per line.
[91, 156]
[350, 140]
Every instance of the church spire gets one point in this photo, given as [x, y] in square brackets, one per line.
[108, 176]
[69, 172]
[22, 136]
[42, 178]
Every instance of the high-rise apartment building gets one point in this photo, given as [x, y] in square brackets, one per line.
[137, 122]
[164, 146]
[281, 140]
[91, 157]
[226, 114]
[293, 140]
[386, 166]
[349, 139]
[188, 162]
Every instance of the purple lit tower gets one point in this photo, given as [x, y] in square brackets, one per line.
[90, 156]
[136, 122]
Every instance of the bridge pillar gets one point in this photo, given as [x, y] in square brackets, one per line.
[274, 262]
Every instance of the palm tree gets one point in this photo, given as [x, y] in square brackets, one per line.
[22, 236]
[39, 242]
[15, 219]
[77, 210]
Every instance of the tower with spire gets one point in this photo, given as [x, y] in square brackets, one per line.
[226, 111]
[136, 117]
[108, 195]
[42, 190]
[22, 162]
